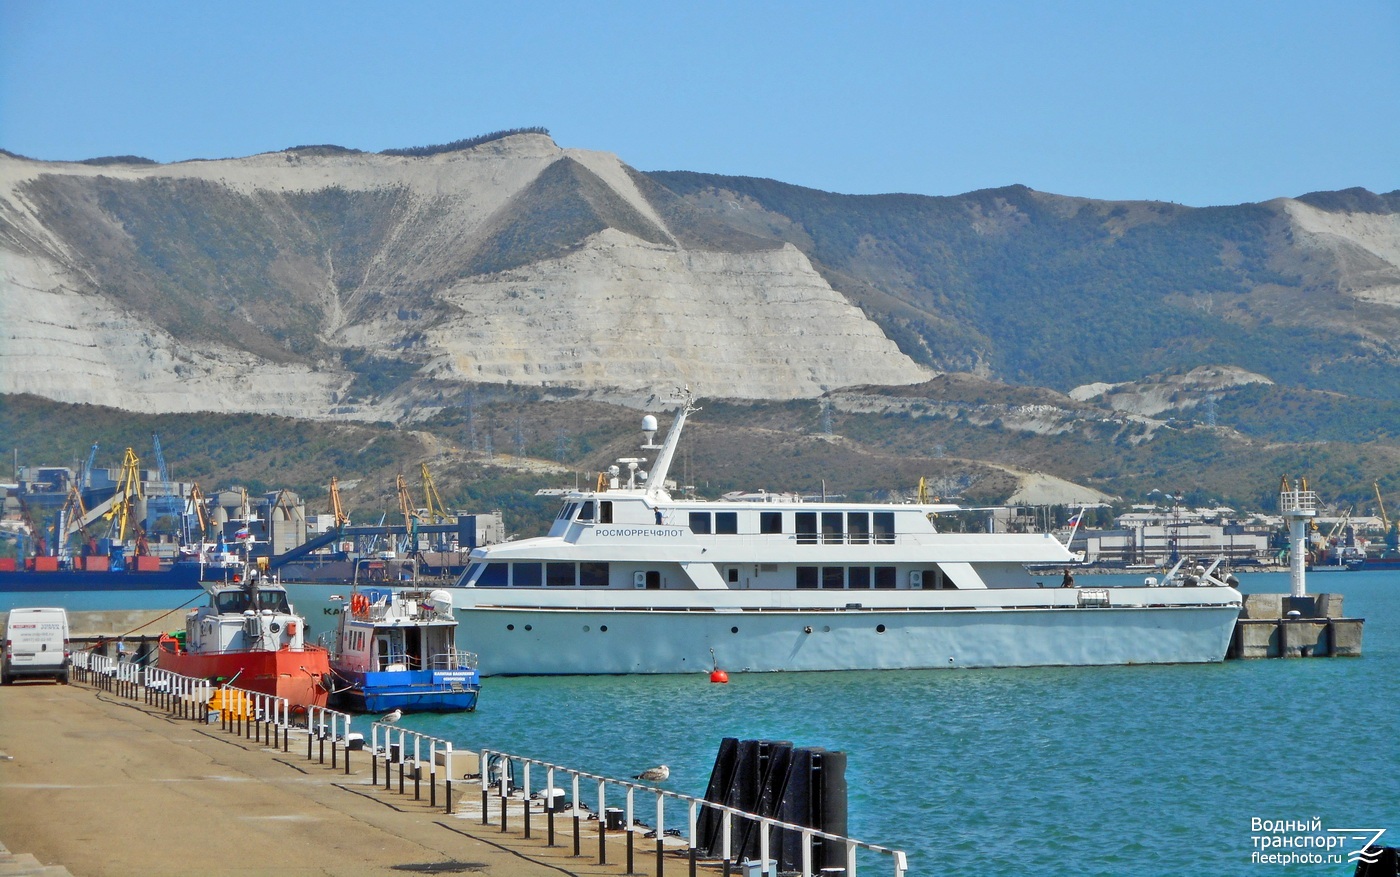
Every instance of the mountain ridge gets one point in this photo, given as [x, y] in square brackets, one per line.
[511, 259]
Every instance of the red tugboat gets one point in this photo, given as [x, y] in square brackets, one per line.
[249, 637]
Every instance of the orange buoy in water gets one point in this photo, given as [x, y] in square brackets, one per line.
[717, 675]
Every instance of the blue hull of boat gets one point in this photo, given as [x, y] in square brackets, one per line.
[413, 691]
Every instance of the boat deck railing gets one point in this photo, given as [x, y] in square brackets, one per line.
[498, 778]
[454, 659]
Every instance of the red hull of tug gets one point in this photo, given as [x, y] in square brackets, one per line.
[295, 675]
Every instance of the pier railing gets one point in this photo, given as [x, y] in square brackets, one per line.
[497, 777]
[272, 720]
[391, 742]
[253, 714]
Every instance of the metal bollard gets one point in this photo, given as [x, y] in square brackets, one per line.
[602, 824]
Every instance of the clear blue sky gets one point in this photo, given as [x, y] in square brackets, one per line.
[1216, 102]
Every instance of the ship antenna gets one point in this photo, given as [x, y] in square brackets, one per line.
[656, 482]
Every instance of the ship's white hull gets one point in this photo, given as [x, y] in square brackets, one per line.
[564, 632]
[534, 641]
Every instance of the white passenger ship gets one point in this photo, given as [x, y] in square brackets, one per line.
[632, 580]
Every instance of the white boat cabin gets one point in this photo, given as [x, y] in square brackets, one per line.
[407, 631]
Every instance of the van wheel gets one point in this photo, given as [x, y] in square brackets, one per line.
[62, 678]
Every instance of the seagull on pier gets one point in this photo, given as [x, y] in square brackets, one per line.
[391, 718]
[657, 774]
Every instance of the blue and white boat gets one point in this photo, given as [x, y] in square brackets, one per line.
[397, 650]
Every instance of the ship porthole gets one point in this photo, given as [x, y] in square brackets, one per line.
[586, 628]
[826, 628]
[879, 628]
[603, 628]
[510, 627]
[529, 627]
[733, 630]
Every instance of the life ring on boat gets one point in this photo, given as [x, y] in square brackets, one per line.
[291, 628]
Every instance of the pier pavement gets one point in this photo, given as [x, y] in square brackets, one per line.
[102, 785]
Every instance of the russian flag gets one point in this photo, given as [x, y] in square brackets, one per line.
[1074, 521]
[243, 533]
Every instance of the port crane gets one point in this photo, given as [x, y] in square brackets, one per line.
[410, 518]
[436, 512]
[121, 515]
[337, 509]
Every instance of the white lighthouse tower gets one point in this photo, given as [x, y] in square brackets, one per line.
[1298, 508]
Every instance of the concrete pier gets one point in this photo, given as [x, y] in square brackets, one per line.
[100, 784]
[1286, 626]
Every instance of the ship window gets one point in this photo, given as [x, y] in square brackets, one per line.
[833, 577]
[585, 512]
[699, 522]
[860, 577]
[733, 575]
[495, 575]
[568, 510]
[274, 600]
[526, 575]
[884, 529]
[806, 528]
[858, 525]
[593, 574]
[232, 601]
[884, 575]
[560, 575]
[806, 577]
[770, 522]
[831, 526]
[653, 580]
[931, 580]
[605, 512]
[727, 523]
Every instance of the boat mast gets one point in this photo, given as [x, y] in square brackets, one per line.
[656, 481]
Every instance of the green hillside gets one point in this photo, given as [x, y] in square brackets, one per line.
[960, 434]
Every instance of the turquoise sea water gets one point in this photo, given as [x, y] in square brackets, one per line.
[1066, 771]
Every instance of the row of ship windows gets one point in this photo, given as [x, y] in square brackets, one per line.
[595, 575]
[809, 527]
[861, 577]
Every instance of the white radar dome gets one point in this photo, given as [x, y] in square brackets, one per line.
[440, 600]
[649, 423]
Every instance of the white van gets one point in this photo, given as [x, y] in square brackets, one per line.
[36, 644]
